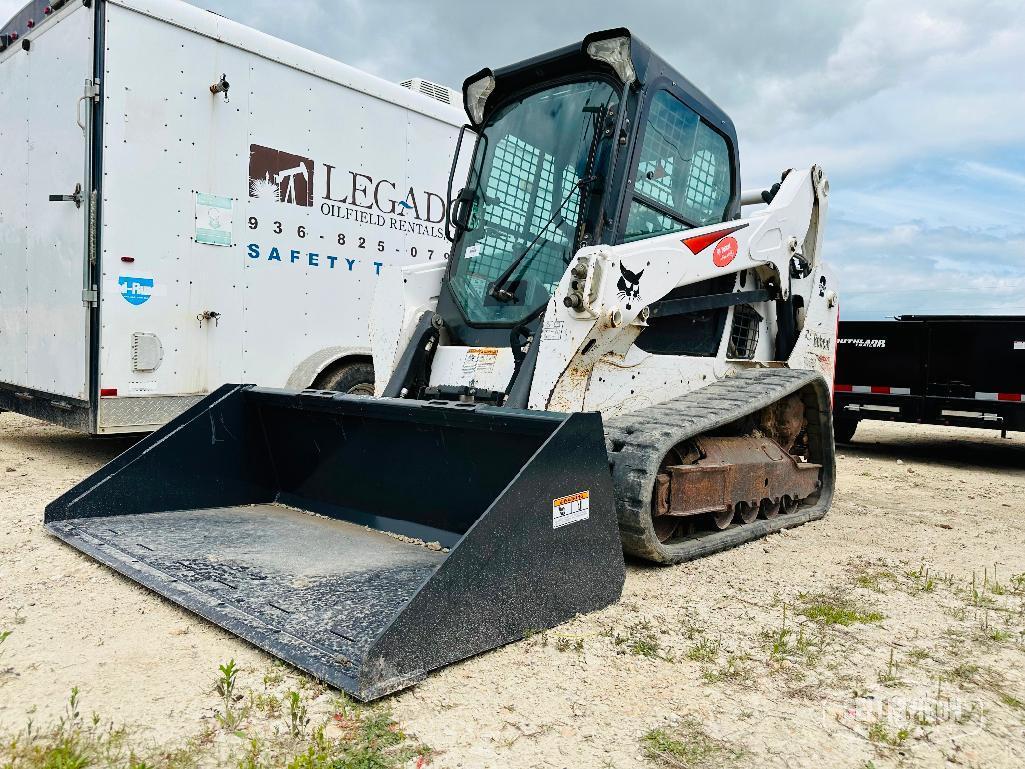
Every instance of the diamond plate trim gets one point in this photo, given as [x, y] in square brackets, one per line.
[142, 413]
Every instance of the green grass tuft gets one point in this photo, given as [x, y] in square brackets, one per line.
[369, 739]
[836, 610]
[705, 650]
[687, 746]
[880, 734]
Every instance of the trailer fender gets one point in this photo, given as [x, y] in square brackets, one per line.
[309, 369]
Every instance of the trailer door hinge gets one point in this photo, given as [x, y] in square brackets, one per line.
[92, 89]
[90, 296]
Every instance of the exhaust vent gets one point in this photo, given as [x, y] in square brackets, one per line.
[433, 90]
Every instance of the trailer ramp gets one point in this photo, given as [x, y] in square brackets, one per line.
[365, 541]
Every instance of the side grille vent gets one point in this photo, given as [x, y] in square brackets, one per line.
[744, 332]
[432, 90]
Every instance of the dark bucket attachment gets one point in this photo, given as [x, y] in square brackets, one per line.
[265, 511]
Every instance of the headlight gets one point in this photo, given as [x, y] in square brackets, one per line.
[476, 95]
[614, 51]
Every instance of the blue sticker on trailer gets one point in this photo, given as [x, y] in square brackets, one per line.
[135, 290]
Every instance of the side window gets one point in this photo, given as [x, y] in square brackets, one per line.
[682, 175]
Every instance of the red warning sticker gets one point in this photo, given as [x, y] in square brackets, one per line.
[725, 251]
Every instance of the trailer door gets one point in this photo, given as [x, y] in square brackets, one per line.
[44, 328]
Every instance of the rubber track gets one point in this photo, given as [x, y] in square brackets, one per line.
[638, 442]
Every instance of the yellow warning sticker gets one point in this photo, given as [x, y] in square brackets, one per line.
[479, 365]
[570, 509]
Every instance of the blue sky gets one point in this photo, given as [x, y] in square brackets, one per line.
[915, 109]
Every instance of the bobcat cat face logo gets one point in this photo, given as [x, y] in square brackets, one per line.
[629, 284]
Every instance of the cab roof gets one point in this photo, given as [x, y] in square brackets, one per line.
[573, 59]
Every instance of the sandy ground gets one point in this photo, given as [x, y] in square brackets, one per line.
[733, 657]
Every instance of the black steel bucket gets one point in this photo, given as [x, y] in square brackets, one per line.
[265, 511]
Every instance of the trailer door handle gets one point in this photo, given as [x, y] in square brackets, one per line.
[75, 197]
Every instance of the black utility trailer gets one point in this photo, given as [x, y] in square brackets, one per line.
[965, 370]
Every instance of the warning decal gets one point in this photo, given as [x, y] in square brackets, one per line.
[479, 363]
[575, 507]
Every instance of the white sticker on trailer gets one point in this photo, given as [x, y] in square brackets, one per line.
[571, 509]
[214, 219]
[1019, 345]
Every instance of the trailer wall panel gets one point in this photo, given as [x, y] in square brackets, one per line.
[44, 343]
[881, 353]
[325, 186]
[978, 357]
[240, 235]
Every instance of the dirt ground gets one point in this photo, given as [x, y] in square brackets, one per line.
[891, 633]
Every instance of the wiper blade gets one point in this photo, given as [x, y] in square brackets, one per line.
[498, 290]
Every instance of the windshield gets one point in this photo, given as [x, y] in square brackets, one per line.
[530, 162]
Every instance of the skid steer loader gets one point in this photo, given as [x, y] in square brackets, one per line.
[611, 359]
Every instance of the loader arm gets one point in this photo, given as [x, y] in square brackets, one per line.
[591, 316]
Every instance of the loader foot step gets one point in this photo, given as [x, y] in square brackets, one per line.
[640, 442]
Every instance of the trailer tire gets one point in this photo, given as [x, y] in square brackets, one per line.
[843, 429]
[352, 377]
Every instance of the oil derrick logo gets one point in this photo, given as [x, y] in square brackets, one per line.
[280, 176]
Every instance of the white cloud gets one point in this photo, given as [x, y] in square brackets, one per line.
[903, 84]
[974, 168]
[913, 268]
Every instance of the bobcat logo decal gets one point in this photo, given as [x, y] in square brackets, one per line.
[629, 284]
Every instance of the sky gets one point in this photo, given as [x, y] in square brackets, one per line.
[915, 109]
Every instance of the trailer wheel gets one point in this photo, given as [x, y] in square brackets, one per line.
[843, 430]
[353, 378]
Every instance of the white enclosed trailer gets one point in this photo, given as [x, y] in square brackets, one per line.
[185, 202]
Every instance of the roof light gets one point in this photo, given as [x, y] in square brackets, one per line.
[476, 93]
[30, 23]
[47, 11]
[615, 51]
[12, 37]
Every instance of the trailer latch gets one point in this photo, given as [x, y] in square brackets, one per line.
[75, 197]
[207, 315]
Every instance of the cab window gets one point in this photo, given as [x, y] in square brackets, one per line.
[683, 174]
